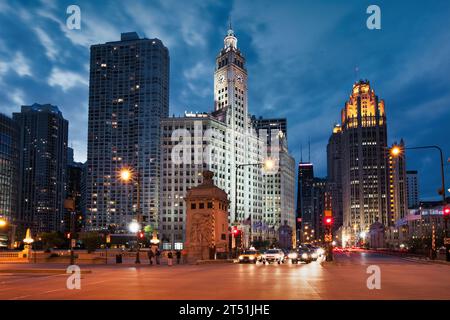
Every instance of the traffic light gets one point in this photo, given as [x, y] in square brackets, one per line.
[68, 235]
[235, 231]
[141, 235]
[328, 221]
[447, 211]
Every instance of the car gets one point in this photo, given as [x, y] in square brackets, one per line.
[273, 255]
[302, 254]
[250, 256]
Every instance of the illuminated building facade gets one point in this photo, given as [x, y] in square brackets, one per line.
[364, 165]
[397, 198]
[9, 168]
[43, 160]
[128, 96]
[220, 141]
[412, 183]
[334, 176]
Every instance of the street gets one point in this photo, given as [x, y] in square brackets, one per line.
[344, 278]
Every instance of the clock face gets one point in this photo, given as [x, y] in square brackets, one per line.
[221, 78]
[239, 78]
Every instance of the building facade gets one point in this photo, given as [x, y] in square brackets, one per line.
[364, 165]
[412, 183]
[397, 196]
[226, 142]
[334, 176]
[128, 96]
[9, 168]
[43, 159]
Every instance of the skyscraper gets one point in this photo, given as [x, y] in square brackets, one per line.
[364, 153]
[397, 197]
[43, 145]
[9, 168]
[222, 141]
[412, 182]
[305, 198]
[334, 175]
[128, 96]
[73, 220]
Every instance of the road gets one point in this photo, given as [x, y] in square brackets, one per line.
[344, 278]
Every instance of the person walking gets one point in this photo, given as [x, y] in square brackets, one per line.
[151, 255]
[178, 254]
[169, 258]
[157, 255]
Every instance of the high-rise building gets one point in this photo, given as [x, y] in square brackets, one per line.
[128, 96]
[397, 196]
[43, 159]
[412, 183]
[9, 168]
[222, 141]
[305, 198]
[334, 176]
[364, 155]
[73, 220]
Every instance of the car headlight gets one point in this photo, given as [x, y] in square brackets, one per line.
[314, 255]
[241, 257]
[251, 258]
[305, 256]
[292, 255]
[320, 251]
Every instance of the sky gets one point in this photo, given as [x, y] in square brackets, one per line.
[302, 58]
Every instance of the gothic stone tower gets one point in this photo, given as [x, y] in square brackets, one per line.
[206, 221]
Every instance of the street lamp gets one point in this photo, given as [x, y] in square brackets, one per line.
[2, 223]
[127, 175]
[28, 241]
[268, 165]
[396, 151]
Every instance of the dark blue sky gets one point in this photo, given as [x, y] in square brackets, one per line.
[301, 59]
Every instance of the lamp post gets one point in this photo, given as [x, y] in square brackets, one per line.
[268, 164]
[397, 151]
[28, 241]
[127, 175]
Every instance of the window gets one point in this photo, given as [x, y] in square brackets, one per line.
[210, 205]
[201, 205]
[193, 206]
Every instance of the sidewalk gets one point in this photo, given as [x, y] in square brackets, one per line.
[409, 256]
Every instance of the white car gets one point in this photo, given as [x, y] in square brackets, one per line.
[273, 255]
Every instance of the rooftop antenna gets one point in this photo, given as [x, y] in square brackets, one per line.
[309, 150]
[356, 73]
[301, 153]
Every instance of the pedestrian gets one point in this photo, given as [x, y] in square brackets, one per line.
[169, 258]
[157, 255]
[151, 255]
[178, 254]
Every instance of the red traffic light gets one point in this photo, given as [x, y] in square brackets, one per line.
[235, 231]
[447, 211]
[328, 221]
[141, 235]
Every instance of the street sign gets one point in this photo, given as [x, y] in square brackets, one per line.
[328, 213]
[73, 243]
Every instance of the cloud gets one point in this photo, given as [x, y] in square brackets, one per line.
[51, 50]
[66, 79]
[19, 64]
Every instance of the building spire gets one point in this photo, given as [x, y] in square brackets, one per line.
[230, 40]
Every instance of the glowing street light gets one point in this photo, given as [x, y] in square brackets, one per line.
[125, 174]
[362, 234]
[134, 226]
[3, 222]
[396, 151]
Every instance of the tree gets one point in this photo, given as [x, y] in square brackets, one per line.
[52, 239]
[91, 240]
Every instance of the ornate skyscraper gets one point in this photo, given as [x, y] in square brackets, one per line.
[364, 161]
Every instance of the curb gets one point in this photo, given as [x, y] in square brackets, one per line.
[41, 271]
[214, 261]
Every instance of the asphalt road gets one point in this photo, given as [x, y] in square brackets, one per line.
[344, 278]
